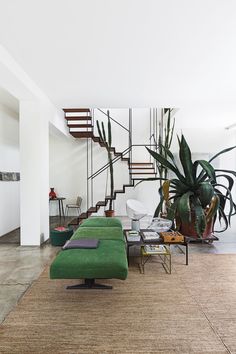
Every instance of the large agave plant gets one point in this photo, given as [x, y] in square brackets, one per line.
[198, 192]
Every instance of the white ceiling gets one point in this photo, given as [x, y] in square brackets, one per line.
[121, 53]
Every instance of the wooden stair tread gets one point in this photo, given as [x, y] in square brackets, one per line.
[76, 110]
[92, 210]
[96, 139]
[139, 178]
[83, 216]
[143, 173]
[80, 125]
[82, 134]
[74, 221]
[78, 118]
[141, 163]
[101, 203]
[102, 144]
[141, 168]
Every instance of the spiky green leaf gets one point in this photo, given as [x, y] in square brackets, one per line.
[104, 132]
[99, 131]
[109, 130]
[184, 209]
[208, 169]
[186, 160]
[222, 152]
[200, 218]
[166, 163]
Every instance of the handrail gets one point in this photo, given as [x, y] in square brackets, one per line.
[115, 159]
[122, 126]
[105, 167]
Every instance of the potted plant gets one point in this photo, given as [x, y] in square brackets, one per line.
[195, 197]
[107, 144]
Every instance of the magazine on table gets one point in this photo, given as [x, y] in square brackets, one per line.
[154, 249]
[150, 236]
[133, 236]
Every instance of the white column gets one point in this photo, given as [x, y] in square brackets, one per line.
[34, 161]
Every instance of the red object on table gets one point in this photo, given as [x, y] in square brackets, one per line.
[52, 194]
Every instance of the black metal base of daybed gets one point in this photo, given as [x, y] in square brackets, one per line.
[89, 284]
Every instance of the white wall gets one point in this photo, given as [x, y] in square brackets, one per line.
[67, 169]
[9, 162]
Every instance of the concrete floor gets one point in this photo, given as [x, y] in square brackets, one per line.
[20, 266]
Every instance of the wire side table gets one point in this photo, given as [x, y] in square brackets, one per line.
[164, 255]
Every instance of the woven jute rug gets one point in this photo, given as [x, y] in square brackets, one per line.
[193, 310]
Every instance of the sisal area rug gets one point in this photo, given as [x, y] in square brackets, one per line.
[193, 310]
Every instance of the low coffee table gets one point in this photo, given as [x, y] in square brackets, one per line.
[142, 243]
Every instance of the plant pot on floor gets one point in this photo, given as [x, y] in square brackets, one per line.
[60, 235]
[189, 230]
[109, 213]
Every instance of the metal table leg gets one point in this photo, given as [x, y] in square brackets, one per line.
[59, 204]
[62, 208]
[186, 253]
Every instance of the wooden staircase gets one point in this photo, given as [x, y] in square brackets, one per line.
[79, 122]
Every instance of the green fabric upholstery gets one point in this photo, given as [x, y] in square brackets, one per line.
[101, 233]
[101, 222]
[107, 261]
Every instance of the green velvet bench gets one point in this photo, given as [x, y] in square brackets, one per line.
[107, 261]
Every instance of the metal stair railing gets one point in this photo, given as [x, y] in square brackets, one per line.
[117, 158]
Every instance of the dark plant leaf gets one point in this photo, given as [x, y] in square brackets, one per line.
[184, 209]
[171, 213]
[208, 169]
[186, 160]
[228, 171]
[230, 200]
[99, 131]
[200, 218]
[104, 133]
[165, 163]
[222, 152]
[109, 129]
[230, 181]
[222, 216]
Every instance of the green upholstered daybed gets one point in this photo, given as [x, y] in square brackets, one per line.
[107, 261]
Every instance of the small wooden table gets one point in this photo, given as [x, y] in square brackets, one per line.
[60, 205]
[142, 243]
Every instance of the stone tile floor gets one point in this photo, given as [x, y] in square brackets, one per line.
[20, 266]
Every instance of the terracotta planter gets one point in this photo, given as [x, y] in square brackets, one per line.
[189, 230]
[109, 213]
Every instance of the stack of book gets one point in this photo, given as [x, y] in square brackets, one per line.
[150, 236]
[133, 236]
[154, 249]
